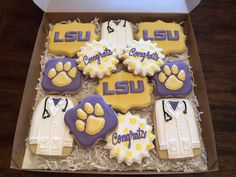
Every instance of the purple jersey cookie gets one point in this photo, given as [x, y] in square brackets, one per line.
[91, 120]
[61, 75]
[174, 79]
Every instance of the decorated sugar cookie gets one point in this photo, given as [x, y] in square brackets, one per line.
[174, 79]
[176, 129]
[61, 75]
[66, 39]
[48, 133]
[91, 120]
[124, 91]
[97, 59]
[168, 36]
[131, 140]
[143, 58]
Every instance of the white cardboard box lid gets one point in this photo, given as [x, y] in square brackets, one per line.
[148, 6]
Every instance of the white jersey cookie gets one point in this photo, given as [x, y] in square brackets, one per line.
[132, 139]
[97, 59]
[143, 58]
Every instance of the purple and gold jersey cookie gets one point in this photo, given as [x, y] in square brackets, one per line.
[61, 75]
[91, 120]
[174, 79]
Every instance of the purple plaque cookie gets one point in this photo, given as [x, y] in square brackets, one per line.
[61, 75]
[174, 79]
[91, 120]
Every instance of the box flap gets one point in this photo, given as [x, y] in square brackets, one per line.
[152, 6]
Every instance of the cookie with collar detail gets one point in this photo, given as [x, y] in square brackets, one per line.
[143, 58]
[176, 128]
[124, 90]
[168, 36]
[97, 59]
[132, 140]
[91, 120]
[61, 75]
[174, 79]
[66, 39]
[48, 133]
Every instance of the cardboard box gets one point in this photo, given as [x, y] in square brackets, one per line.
[133, 11]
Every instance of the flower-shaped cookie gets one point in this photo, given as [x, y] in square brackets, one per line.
[97, 59]
[61, 75]
[174, 79]
[143, 58]
[131, 140]
[91, 120]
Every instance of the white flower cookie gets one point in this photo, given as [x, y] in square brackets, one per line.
[97, 59]
[143, 58]
[131, 140]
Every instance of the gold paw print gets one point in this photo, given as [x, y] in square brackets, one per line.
[61, 75]
[172, 78]
[92, 125]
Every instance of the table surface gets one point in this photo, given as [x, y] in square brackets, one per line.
[215, 30]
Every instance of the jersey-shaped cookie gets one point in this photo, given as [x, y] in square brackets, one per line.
[168, 36]
[48, 133]
[176, 128]
[118, 33]
[124, 91]
[66, 39]
[61, 75]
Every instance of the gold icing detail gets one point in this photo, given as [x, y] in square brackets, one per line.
[173, 83]
[141, 125]
[81, 114]
[72, 73]
[52, 73]
[167, 70]
[59, 66]
[174, 69]
[138, 147]
[116, 151]
[61, 79]
[182, 75]
[80, 125]
[149, 146]
[132, 121]
[98, 110]
[120, 118]
[126, 144]
[126, 130]
[88, 108]
[160, 63]
[94, 125]
[162, 77]
[128, 154]
[67, 66]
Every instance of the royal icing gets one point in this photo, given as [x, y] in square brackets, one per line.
[61, 75]
[143, 58]
[91, 120]
[118, 33]
[174, 79]
[131, 140]
[176, 129]
[48, 133]
[124, 91]
[168, 36]
[97, 59]
[66, 39]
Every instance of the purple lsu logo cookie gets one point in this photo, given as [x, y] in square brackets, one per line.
[173, 79]
[91, 120]
[61, 75]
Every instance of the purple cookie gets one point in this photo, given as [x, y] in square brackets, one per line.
[91, 120]
[61, 75]
[174, 79]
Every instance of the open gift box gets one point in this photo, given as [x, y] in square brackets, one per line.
[134, 11]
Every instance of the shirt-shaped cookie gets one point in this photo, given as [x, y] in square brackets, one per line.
[61, 75]
[176, 129]
[124, 91]
[168, 36]
[48, 133]
[66, 39]
[91, 120]
[118, 33]
[131, 140]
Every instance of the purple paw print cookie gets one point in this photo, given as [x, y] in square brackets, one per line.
[61, 75]
[174, 79]
[91, 120]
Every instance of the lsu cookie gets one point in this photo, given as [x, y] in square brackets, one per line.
[176, 128]
[118, 33]
[143, 58]
[66, 39]
[124, 91]
[97, 59]
[174, 79]
[61, 75]
[131, 140]
[91, 120]
[168, 36]
[48, 133]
